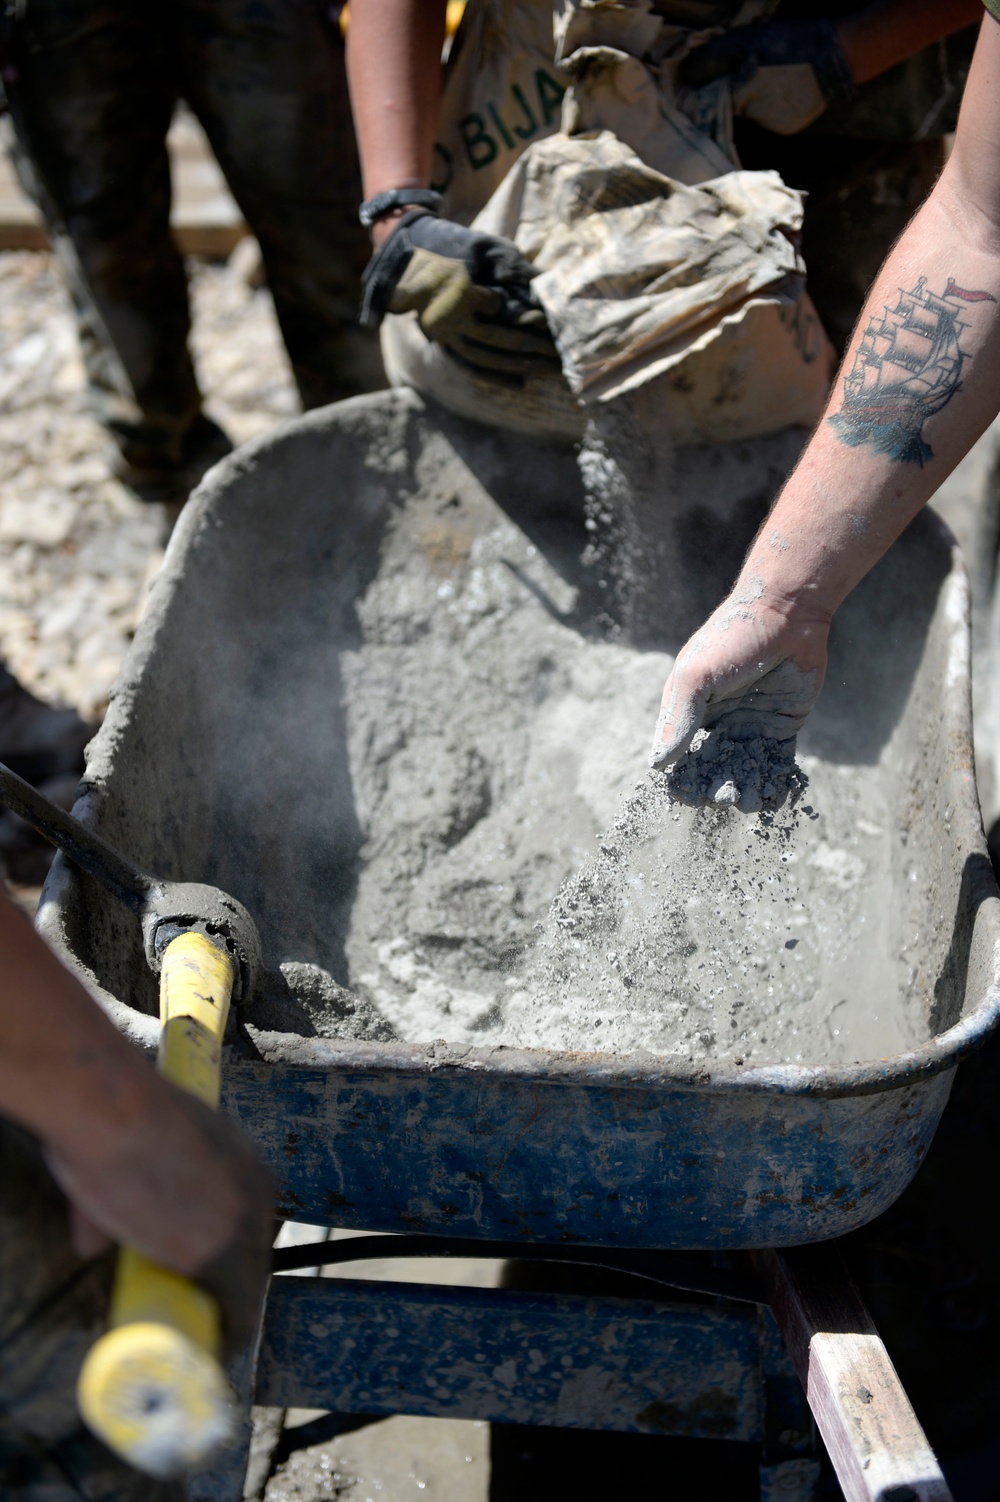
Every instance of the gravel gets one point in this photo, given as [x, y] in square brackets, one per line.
[78, 550]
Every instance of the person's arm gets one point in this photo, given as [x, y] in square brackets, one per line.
[919, 384]
[784, 74]
[471, 291]
[879, 36]
[394, 72]
[143, 1162]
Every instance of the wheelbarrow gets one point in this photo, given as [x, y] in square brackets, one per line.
[201, 771]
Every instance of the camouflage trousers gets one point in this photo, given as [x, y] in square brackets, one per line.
[92, 86]
[53, 1307]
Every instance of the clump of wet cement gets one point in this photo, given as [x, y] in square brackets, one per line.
[306, 999]
[749, 773]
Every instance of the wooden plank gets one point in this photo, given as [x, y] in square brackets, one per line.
[878, 1449]
[19, 230]
[510, 1357]
[204, 233]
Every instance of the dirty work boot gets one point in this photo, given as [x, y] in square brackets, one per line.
[37, 741]
[163, 468]
[45, 747]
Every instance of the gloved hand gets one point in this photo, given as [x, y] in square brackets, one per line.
[784, 73]
[471, 292]
[754, 668]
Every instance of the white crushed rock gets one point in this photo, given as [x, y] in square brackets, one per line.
[77, 549]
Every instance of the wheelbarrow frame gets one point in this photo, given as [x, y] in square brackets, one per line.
[525, 1146]
[767, 1356]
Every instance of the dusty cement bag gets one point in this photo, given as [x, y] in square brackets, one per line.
[505, 80]
[644, 279]
[502, 90]
[659, 261]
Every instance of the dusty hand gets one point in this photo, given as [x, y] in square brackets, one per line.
[751, 667]
[471, 292]
[784, 73]
[183, 1186]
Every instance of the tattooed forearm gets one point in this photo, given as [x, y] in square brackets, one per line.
[906, 368]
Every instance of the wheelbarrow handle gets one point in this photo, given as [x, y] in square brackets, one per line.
[122, 877]
[152, 1388]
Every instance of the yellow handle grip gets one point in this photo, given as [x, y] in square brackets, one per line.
[152, 1388]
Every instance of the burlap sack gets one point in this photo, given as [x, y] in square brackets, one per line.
[502, 91]
[659, 259]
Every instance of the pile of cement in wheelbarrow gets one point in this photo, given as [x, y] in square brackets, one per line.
[516, 886]
[395, 688]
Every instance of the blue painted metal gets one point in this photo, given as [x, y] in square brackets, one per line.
[790, 1450]
[511, 1357]
[264, 572]
[501, 1154]
[791, 1481]
[634, 1152]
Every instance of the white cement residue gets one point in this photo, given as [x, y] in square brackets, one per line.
[493, 736]
[712, 935]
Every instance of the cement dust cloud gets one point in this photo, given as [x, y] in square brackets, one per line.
[521, 880]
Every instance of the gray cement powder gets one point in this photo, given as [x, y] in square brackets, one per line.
[715, 936]
[724, 913]
[749, 774]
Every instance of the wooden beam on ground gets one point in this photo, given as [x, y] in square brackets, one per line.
[204, 218]
[874, 1440]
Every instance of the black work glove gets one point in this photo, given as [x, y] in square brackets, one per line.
[784, 73]
[470, 291]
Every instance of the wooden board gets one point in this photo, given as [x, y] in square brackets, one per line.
[205, 219]
[873, 1437]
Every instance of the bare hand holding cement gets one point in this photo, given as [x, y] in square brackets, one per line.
[755, 668]
[919, 384]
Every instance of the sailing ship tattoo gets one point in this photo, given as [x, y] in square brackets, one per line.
[907, 367]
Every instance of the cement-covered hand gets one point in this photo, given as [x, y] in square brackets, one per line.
[471, 292]
[784, 73]
[868, 467]
[752, 667]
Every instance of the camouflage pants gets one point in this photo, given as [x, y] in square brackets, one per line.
[52, 1308]
[92, 86]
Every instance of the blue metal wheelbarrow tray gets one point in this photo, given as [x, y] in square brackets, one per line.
[202, 772]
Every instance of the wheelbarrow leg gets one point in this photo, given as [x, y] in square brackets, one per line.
[789, 1462]
[875, 1443]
